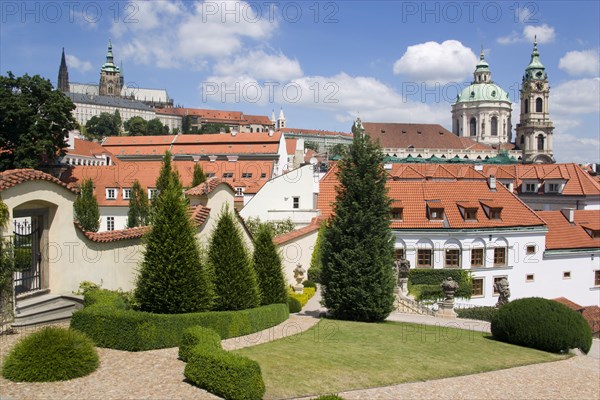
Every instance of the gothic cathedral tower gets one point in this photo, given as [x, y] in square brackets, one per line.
[63, 75]
[110, 76]
[535, 130]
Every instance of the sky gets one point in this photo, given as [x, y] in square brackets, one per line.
[323, 63]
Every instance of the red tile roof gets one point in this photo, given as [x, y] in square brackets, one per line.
[314, 225]
[290, 145]
[199, 214]
[592, 316]
[572, 305]
[14, 177]
[419, 136]
[257, 120]
[206, 187]
[218, 116]
[415, 195]
[113, 236]
[87, 148]
[564, 235]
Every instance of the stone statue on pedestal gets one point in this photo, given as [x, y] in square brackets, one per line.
[503, 291]
[299, 276]
[446, 307]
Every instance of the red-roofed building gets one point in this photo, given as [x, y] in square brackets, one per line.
[325, 140]
[84, 152]
[235, 120]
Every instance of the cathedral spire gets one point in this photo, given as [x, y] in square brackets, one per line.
[535, 69]
[63, 74]
[109, 53]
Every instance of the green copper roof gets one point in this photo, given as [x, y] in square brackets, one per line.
[482, 65]
[482, 92]
[109, 65]
[535, 69]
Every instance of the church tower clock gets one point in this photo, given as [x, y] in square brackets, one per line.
[535, 129]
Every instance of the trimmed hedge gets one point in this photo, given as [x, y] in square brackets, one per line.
[110, 324]
[426, 282]
[309, 284]
[294, 305]
[303, 298]
[225, 374]
[479, 313]
[542, 324]
[52, 354]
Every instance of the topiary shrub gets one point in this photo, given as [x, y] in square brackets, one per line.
[294, 305]
[542, 324]
[479, 313]
[303, 297]
[225, 374]
[52, 354]
[309, 284]
[424, 283]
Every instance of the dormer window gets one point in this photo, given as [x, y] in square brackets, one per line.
[492, 209]
[553, 187]
[397, 213]
[111, 194]
[126, 194]
[436, 213]
[530, 187]
[495, 213]
[470, 214]
[468, 210]
[152, 193]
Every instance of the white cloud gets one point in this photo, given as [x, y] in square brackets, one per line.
[260, 66]
[571, 148]
[544, 34]
[578, 96]
[176, 34]
[578, 63]
[449, 61]
[75, 63]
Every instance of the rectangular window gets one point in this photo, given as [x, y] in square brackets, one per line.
[477, 287]
[239, 191]
[595, 234]
[399, 253]
[126, 194]
[530, 187]
[247, 175]
[499, 256]
[477, 258]
[424, 258]
[553, 187]
[436, 213]
[152, 193]
[228, 175]
[597, 278]
[567, 275]
[496, 280]
[531, 249]
[471, 214]
[111, 194]
[110, 223]
[296, 202]
[452, 258]
[263, 175]
[529, 277]
[210, 175]
[494, 213]
[397, 213]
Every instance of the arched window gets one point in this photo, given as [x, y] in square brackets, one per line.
[494, 126]
[522, 139]
[538, 104]
[540, 142]
[456, 127]
[526, 106]
[473, 127]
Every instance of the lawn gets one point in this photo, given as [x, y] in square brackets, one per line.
[335, 356]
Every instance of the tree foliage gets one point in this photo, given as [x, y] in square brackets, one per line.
[234, 277]
[34, 121]
[269, 269]
[357, 274]
[86, 207]
[277, 227]
[136, 126]
[139, 208]
[199, 176]
[155, 127]
[172, 278]
[339, 150]
[212, 127]
[316, 259]
[311, 145]
[103, 125]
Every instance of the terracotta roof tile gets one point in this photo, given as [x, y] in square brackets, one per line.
[199, 214]
[113, 236]
[206, 187]
[14, 177]
[314, 225]
[564, 235]
[87, 148]
[572, 305]
[592, 315]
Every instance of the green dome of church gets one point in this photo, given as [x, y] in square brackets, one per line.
[482, 92]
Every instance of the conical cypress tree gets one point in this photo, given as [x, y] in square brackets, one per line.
[199, 176]
[268, 267]
[357, 273]
[234, 277]
[172, 278]
[165, 173]
[316, 259]
[139, 207]
[86, 208]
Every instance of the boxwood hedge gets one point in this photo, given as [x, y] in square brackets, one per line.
[225, 374]
[484, 313]
[542, 324]
[107, 320]
[425, 282]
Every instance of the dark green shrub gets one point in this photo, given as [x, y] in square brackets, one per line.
[225, 374]
[268, 267]
[542, 324]
[108, 321]
[294, 305]
[479, 313]
[419, 277]
[316, 259]
[309, 284]
[52, 354]
[85, 207]
[314, 274]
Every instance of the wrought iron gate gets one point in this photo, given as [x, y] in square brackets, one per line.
[28, 255]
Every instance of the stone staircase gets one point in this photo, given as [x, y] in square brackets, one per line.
[45, 308]
[407, 305]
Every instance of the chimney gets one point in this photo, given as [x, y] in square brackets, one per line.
[71, 140]
[271, 132]
[492, 183]
[234, 132]
[569, 214]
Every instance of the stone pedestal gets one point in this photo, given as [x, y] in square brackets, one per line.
[403, 282]
[445, 309]
[299, 288]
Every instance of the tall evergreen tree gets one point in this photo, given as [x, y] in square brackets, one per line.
[166, 173]
[357, 275]
[139, 208]
[172, 278]
[316, 259]
[199, 176]
[86, 208]
[234, 277]
[269, 269]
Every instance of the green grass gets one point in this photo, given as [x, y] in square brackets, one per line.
[335, 356]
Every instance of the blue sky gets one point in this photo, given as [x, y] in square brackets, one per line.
[324, 62]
